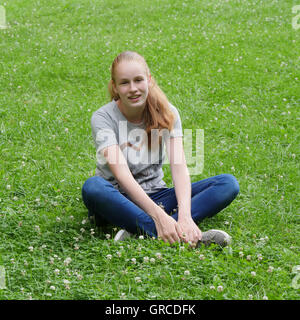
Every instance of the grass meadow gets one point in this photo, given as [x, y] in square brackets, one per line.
[230, 67]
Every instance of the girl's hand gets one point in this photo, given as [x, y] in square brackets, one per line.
[167, 228]
[189, 230]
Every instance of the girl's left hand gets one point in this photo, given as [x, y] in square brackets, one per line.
[189, 231]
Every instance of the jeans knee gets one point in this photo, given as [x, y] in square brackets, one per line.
[92, 186]
[232, 184]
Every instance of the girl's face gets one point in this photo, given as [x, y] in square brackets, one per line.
[131, 84]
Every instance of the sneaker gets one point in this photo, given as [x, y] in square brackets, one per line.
[122, 235]
[215, 236]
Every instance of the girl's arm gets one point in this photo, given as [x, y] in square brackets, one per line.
[182, 184]
[166, 226]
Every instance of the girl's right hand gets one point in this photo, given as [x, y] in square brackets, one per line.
[167, 228]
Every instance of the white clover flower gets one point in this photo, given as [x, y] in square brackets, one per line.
[265, 298]
[56, 271]
[83, 221]
[8, 187]
[248, 258]
[133, 260]
[212, 288]
[30, 248]
[141, 237]
[270, 269]
[107, 236]
[58, 219]
[241, 254]
[201, 257]
[220, 288]
[253, 273]
[82, 230]
[76, 246]
[67, 261]
[186, 272]
[158, 255]
[67, 284]
[259, 257]
[119, 254]
[152, 260]
[146, 259]
[79, 277]
[138, 279]
[109, 256]
[52, 288]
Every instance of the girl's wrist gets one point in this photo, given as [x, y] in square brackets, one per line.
[157, 212]
[184, 218]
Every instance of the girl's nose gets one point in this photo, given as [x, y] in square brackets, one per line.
[132, 86]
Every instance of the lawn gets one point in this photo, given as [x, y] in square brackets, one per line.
[230, 67]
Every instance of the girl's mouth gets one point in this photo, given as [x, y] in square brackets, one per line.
[134, 98]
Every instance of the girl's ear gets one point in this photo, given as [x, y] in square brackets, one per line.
[149, 80]
[113, 86]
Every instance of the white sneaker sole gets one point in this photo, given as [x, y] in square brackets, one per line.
[122, 235]
[226, 238]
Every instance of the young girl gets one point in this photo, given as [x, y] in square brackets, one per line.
[127, 190]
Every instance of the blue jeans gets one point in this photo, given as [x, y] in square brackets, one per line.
[108, 205]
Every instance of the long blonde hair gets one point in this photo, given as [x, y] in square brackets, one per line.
[157, 113]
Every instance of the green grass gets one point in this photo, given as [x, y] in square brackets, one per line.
[230, 67]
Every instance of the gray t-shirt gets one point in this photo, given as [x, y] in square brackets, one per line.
[110, 127]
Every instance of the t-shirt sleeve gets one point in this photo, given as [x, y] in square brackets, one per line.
[102, 131]
[177, 130]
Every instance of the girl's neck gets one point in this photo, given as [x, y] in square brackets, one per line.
[134, 115]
